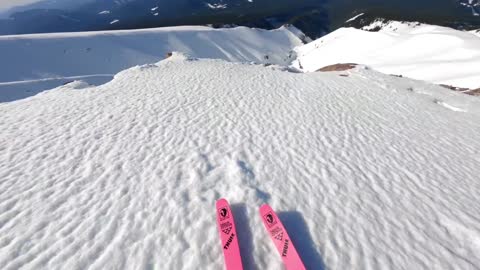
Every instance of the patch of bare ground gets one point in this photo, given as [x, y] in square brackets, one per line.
[454, 88]
[472, 92]
[338, 67]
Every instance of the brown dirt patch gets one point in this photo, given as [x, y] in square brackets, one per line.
[454, 88]
[475, 92]
[472, 92]
[338, 67]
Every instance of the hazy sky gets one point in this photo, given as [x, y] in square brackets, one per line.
[6, 4]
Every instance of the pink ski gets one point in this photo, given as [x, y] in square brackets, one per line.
[280, 238]
[228, 234]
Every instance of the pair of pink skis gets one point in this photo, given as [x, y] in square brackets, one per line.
[278, 234]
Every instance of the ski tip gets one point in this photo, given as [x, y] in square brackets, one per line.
[265, 207]
[221, 201]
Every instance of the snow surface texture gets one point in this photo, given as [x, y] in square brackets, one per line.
[355, 17]
[474, 5]
[367, 171]
[32, 63]
[436, 54]
[216, 6]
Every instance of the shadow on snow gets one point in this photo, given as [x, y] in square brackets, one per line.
[297, 230]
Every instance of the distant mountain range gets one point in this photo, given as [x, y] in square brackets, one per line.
[314, 17]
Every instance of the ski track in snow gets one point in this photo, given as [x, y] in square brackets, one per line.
[125, 175]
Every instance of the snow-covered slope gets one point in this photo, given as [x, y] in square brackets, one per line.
[367, 171]
[432, 53]
[31, 63]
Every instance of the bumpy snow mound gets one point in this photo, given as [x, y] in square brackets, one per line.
[368, 171]
[436, 54]
[72, 54]
[30, 63]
